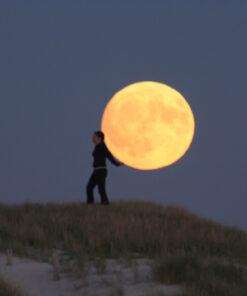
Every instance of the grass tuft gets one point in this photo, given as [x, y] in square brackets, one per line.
[201, 277]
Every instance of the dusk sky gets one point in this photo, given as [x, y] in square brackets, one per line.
[62, 61]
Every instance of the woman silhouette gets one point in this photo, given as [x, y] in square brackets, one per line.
[98, 177]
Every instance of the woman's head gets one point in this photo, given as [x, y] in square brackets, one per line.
[98, 137]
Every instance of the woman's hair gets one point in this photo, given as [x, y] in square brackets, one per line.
[100, 134]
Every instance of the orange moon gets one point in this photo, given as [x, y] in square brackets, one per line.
[148, 125]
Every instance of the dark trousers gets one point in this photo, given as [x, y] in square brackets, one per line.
[98, 177]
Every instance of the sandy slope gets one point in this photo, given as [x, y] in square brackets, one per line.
[36, 278]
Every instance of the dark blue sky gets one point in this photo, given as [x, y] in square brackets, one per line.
[62, 61]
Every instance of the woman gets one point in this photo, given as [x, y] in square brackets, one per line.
[98, 177]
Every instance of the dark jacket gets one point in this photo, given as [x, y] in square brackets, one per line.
[100, 153]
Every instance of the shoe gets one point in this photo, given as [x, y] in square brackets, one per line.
[105, 203]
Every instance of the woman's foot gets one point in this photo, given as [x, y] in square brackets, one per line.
[105, 202]
[89, 204]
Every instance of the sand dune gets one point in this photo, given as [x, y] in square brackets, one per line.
[36, 279]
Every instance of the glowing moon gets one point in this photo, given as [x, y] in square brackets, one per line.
[148, 125]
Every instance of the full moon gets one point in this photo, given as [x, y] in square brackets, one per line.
[148, 125]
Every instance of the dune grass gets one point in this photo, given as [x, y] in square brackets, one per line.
[202, 276]
[7, 289]
[121, 228]
[130, 229]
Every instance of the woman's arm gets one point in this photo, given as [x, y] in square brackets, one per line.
[112, 159]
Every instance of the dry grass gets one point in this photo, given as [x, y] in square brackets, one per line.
[7, 289]
[204, 277]
[122, 229]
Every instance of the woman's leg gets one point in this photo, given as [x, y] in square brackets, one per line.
[90, 186]
[101, 186]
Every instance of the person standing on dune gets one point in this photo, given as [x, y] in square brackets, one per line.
[98, 177]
